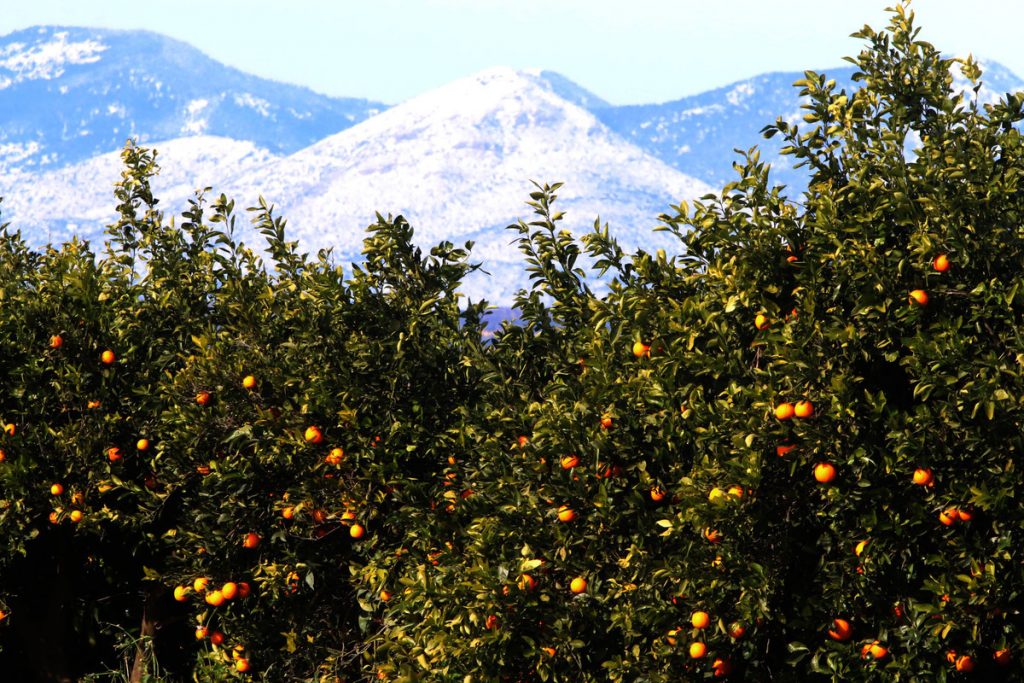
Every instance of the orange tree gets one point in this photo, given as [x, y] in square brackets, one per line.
[787, 454]
[177, 413]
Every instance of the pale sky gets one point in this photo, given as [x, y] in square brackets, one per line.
[626, 52]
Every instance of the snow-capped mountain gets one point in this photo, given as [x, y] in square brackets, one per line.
[71, 93]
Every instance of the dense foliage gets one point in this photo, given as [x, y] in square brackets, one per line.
[787, 453]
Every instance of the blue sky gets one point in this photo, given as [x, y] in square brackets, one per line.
[626, 52]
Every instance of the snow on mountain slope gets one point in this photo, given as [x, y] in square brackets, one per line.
[457, 162]
[70, 93]
[79, 199]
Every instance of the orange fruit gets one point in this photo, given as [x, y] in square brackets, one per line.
[3, 456]
[75, 516]
[698, 650]
[670, 637]
[203, 469]
[251, 540]
[242, 665]
[721, 668]
[1002, 656]
[578, 585]
[9, 428]
[570, 461]
[56, 489]
[951, 656]
[385, 596]
[965, 514]
[859, 548]
[824, 472]
[713, 535]
[949, 516]
[716, 495]
[700, 619]
[215, 598]
[180, 593]
[92, 404]
[108, 357]
[803, 409]
[965, 663]
[244, 590]
[657, 494]
[248, 382]
[313, 435]
[841, 630]
[549, 651]
[522, 441]
[288, 512]
[217, 638]
[203, 397]
[201, 632]
[56, 341]
[492, 622]
[877, 650]
[229, 590]
[526, 582]
[640, 349]
[566, 514]
[941, 263]
[142, 444]
[737, 630]
[761, 321]
[736, 491]
[334, 457]
[784, 411]
[54, 517]
[782, 449]
[606, 422]
[923, 476]
[114, 454]
[356, 531]
[919, 296]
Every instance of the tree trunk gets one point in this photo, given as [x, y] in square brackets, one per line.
[147, 630]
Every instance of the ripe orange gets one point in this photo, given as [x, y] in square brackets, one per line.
[736, 491]
[114, 454]
[782, 449]
[761, 321]
[566, 514]
[941, 263]
[75, 516]
[965, 663]
[252, 540]
[203, 469]
[859, 548]
[56, 489]
[698, 650]
[657, 494]
[522, 441]
[549, 651]
[248, 382]
[841, 630]
[923, 476]
[54, 517]
[578, 585]
[313, 435]
[570, 461]
[385, 596]
[203, 397]
[877, 650]
[949, 516]
[492, 622]
[670, 637]
[244, 590]
[142, 444]
[108, 357]
[9, 428]
[737, 630]
[3, 456]
[784, 411]
[919, 296]
[92, 404]
[356, 531]
[56, 341]
[242, 664]
[288, 512]
[215, 598]
[965, 514]
[716, 495]
[1002, 656]
[201, 632]
[640, 349]
[721, 667]
[824, 472]
[700, 619]
[713, 535]
[217, 638]
[180, 593]
[334, 457]
[606, 422]
[229, 590]
[803, 409]
[526, 583]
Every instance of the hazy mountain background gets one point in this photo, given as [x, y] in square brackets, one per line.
[456, 161]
